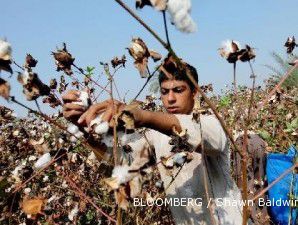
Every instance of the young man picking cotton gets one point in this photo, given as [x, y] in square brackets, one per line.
[178, 96]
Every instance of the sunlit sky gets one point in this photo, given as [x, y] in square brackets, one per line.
[99, 30]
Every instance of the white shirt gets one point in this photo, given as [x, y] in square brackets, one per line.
[189, 182]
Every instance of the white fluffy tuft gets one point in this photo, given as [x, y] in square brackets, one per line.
[122, 174]
[5, 50]
[102, 128]
[180, 13]
[73, 129]
[99, 126]
[84, 97]
[42, 161]
[226, 48]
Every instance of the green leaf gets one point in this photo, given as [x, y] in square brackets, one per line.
[264, 134]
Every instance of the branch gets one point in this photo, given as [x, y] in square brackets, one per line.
[147, 81]
[245, 148]
[166, 27]
[275, 181]
[96, 83]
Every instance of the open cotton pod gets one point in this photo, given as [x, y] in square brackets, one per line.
[230, 50]
[120, 175]
[159, 5]
[4, 88]
[5, 56]
[99, 126]
[33, 87]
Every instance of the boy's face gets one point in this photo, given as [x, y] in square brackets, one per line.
[177, 96]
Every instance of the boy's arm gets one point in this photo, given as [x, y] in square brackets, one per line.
[162, 122]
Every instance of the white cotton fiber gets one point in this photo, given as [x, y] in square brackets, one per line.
[73, 129]
[122, 174]
[179, 158]
[84, 99]
[99, 126]
[102, 128]
[180, 14]
[42, 161]
[5, 50]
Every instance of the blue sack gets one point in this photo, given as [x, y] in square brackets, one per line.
[277, 164]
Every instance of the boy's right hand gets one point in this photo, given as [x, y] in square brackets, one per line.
[72, 111]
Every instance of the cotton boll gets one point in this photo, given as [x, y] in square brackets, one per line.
[180, 14]
[99, 126]
[85, 100]
[76, 136]
[25, 76]
[179, 158]
[73, 139]
[73, 213]
[102, 128]
[5, 50]
[227, 48]
[124, 138]
[27, 191]
[108, 140]
[15, 173]
[96, 121]
[73, 129]
[122, 174]
[84, 97]
[42, 161]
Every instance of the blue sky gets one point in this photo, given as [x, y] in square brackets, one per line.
[99, 30]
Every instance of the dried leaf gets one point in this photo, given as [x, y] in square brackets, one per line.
[290, 44]
[246, 54]
[53, 84]
[32, 206]
[155, 55]
[52, 100]
[141, 66]
[5, 65]
[167, 162]
[157, 4]
[4, 89]
[122, 198]
[135, 187]
[64, 60]
[116, 61]
[112, 182]
[30, 61]
[126, 119]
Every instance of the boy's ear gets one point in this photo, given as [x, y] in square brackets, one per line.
[195, 93]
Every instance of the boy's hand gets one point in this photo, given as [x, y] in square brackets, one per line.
[72, 111]
[109, 108]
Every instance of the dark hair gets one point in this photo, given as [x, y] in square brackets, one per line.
[180, 75]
